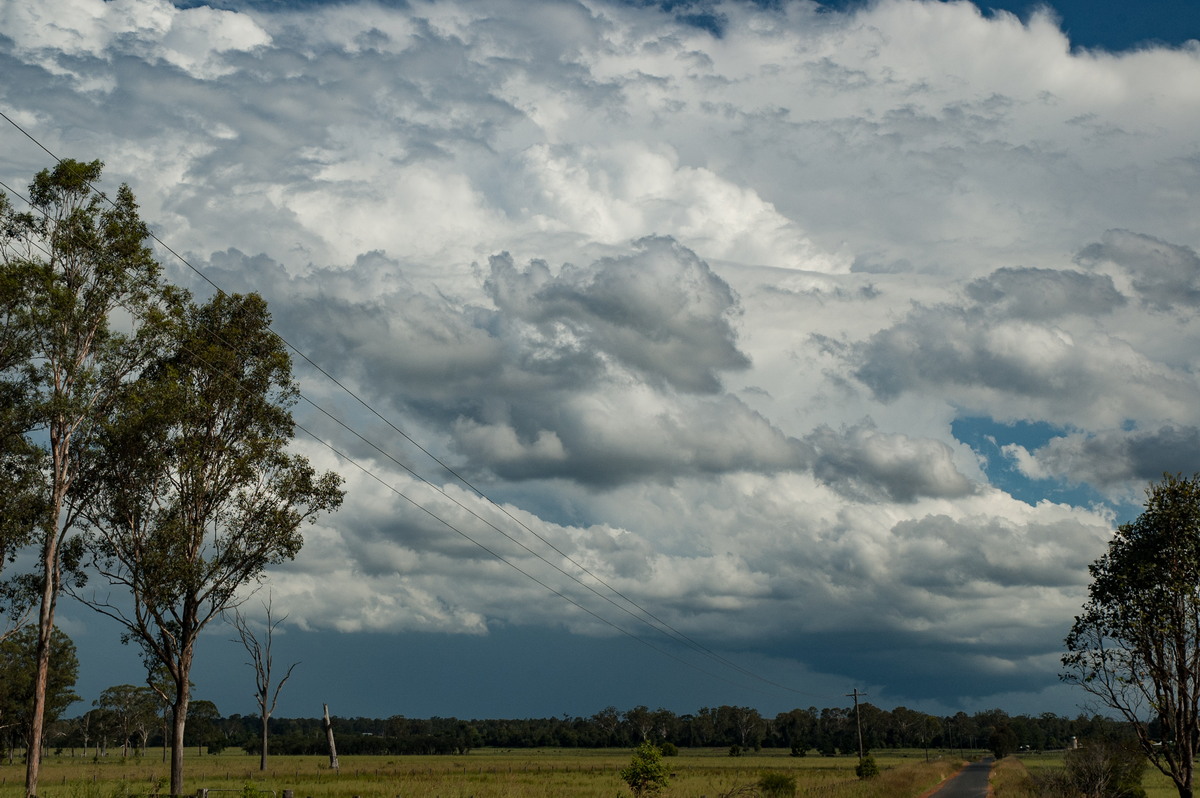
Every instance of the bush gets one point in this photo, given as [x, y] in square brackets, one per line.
[866, 768]
[646, 774]
[799, 750]
[1096, 770]
[669, 749]
[735, 750]
[777, 785]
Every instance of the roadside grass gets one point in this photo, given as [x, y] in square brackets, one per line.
[483, 773]
[1007, 784]
[1010, 779]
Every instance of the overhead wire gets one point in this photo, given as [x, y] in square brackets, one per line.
[372, 475]
[656, 623]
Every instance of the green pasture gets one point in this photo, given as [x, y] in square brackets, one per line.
[483, 773]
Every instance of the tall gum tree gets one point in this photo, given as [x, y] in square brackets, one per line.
[192, 489]
[1136, 646]
[88, 307]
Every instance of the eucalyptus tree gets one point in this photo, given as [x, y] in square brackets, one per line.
[85, 304]
[133, 709]
[18, 679]
[1136, 645]
[193, 489]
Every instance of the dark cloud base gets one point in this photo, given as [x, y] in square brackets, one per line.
[513, 672]
[913, 671]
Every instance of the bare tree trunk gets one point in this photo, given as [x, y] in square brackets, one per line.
[333, 759]
[262, 756]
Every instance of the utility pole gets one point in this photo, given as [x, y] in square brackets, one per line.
[857, 721]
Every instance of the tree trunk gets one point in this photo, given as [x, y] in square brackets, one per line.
[33, 756]
[262, 756]
[178, 722]
[333, 757]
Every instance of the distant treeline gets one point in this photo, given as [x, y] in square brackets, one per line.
[821, 731]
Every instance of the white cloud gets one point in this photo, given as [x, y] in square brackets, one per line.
[59, 36]
[1118, 462]
[700, 309]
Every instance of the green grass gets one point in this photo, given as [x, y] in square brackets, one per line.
[484, 773]
[1157, 785]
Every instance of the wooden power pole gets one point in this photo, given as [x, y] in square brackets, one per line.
[857, 721]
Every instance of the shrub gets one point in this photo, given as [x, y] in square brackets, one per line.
[646, 774]
[799, 750]
[735, 750]
[777, 785]
[866, 768]
[669, 749]
[1097, 770]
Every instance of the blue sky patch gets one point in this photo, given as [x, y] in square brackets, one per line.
[988, 437]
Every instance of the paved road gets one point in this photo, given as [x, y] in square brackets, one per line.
[972, 782]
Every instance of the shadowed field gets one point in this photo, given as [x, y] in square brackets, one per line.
[484, 773]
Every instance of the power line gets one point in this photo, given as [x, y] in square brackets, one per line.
[369, 473]
[647, 617]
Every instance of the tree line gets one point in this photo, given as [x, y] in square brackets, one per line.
[127, 719]
[811, 731]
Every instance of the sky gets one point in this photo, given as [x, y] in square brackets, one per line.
[796, 349]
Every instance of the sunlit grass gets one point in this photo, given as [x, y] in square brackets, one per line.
[484, 773]
[1010, 779]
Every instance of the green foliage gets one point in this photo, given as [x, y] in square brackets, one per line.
[735, 750]
[23, 504]
[777, 785]
[133, 710]
[1137, 640]
[646, 774]
[669, 749]
[192, 490]
[17, 671]
[866, 768]
[1002, 741]
[85, 303]
[249, 790]
[203, 729]
[1098, 769]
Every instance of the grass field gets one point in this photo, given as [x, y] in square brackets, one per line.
[484, 773]
[1008, 783]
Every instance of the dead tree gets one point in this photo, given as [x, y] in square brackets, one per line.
[262, 661]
